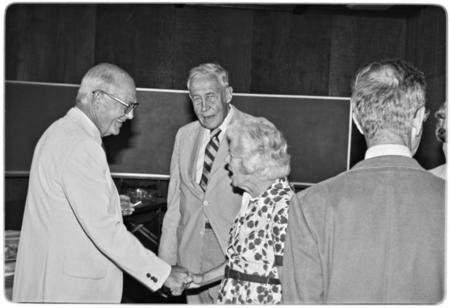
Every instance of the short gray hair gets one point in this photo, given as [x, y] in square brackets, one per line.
[386, 96]
[103, 76]
[206, 69]
[262, 146]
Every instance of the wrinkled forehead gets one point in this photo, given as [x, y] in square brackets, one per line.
[210, 79]
[124, 88]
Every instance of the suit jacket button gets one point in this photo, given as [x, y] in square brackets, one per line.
[205, 203]
[154, 279]
[148, 275]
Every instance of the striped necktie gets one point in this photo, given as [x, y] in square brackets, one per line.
[210, 153]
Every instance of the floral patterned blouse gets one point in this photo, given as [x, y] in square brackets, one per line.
[256, 246]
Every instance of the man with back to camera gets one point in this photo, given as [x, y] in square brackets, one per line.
[74, 245]
[374, 234]
[201, 203]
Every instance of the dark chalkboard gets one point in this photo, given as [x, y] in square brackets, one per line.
[317, 129]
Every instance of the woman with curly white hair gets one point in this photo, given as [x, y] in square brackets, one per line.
[259, 165]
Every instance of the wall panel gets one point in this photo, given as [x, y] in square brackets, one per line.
[53, 43]
[285, 49]
[290, 53]
[316, 128]
[140, 40]
[214, 34]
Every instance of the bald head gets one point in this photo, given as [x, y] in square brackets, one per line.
[103, 76]
[105, 95]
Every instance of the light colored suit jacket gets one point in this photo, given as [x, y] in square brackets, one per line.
[184, 223]
[73, 242]
[374, 234]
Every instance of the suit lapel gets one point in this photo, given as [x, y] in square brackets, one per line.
[222, 153]
[220, 158]
[197, 136]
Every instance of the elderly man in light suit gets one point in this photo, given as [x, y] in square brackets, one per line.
[73, 243]
[202, 203]
[374, 234]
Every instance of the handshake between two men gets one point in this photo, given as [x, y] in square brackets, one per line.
[180, 279]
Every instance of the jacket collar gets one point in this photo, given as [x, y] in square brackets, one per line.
[82, 119]
[388, 161]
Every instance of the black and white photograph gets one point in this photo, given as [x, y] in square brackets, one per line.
[196, 153]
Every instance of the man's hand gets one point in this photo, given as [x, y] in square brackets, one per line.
[197, 281]
[126, 205]
[178, 279]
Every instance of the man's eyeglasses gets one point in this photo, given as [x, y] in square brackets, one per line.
[128, 106]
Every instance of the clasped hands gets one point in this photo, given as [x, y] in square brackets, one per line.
[180, 279]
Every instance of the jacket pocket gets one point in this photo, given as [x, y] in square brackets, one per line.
[90, 268]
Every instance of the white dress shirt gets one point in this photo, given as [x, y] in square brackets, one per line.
[387, 149]
[205, 139]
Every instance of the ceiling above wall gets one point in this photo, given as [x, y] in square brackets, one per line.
[360, 9]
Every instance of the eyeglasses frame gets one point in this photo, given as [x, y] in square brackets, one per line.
[129, 106]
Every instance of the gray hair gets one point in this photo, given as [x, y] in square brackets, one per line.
[206, 69]
[386, 96]
[103, 76]
[262, 146]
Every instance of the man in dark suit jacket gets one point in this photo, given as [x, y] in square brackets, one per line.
[374, 234]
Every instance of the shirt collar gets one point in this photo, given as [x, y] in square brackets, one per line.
[87, 123]
[274, 188]
[226, 121]
[275, 192]
[246, 198]
[387, 149]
